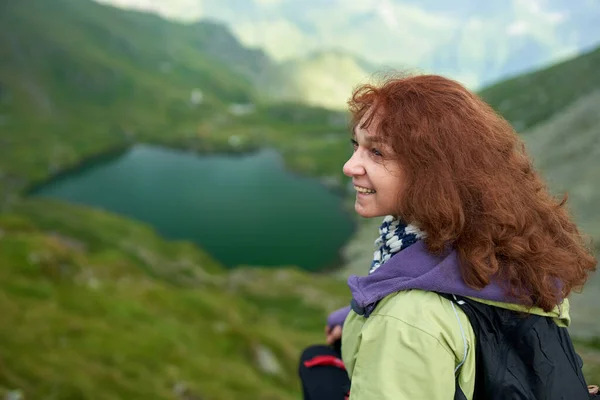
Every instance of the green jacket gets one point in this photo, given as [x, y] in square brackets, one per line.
[411, 345]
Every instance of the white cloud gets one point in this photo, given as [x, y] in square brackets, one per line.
[536, 10]
[268, 3]
[280, 38]
[385, 10]
[390, 10]
[475, 24]
[470, 80]
[381, 31]
[518, 28]
[535, 20]
[556, 17]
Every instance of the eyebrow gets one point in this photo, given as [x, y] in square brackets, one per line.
[369, 139]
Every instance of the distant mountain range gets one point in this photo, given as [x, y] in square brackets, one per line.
[475, 42]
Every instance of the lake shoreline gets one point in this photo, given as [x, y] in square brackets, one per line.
[112, 152]
[107, 154]
[334, 264]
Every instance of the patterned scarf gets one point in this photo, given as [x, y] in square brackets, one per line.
[395, 235]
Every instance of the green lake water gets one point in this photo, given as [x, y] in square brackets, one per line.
[243, 209]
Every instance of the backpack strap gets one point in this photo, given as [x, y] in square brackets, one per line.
[464, 337]
[458, 393]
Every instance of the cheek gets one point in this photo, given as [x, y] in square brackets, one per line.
[394, 190]
[399, 186]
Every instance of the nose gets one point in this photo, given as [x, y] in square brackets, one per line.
[354, 167]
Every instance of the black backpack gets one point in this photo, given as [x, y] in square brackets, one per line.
[521, 356]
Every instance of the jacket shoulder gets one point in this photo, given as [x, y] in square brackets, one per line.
[430, 314]
[411, 329]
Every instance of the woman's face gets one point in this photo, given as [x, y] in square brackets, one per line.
[376, 175]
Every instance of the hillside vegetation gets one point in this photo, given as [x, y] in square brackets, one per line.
[322, 79]
[566, 148]
[531, 98]
[98, 306]
[78, 79]
[116, 312]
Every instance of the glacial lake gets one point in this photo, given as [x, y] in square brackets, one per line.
[243, 209]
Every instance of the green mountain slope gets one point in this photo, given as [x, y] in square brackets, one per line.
[78, 78]
[98, 307]
[218, 42]
[322, 79]
[71, 66]
[531, 98]
[566, 148]
[556, 110]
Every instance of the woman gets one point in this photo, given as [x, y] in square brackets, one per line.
[472, 246]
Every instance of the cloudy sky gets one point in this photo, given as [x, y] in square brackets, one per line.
[472, 40]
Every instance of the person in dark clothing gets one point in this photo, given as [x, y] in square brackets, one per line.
[322, 374]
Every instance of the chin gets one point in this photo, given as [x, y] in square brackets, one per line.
[366, 213]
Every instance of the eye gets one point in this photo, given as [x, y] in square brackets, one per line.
[376, 152]
[354, 144]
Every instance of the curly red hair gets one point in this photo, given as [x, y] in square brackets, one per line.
[470, 183]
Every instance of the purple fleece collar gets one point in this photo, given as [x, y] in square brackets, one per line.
[416, 268]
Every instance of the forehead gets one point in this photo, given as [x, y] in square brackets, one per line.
[367, 133]
[368, 124]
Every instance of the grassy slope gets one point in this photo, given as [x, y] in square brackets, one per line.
[83, 319]
[531, 98]
[567, 149]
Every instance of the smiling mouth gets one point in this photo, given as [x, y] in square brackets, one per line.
[363, 190]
